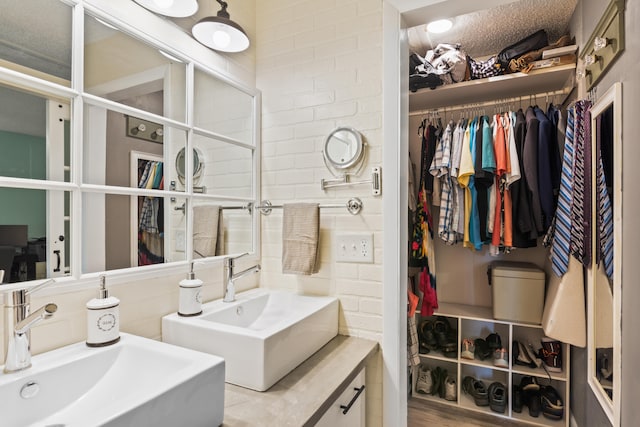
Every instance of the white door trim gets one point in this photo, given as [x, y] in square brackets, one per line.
[395, 151]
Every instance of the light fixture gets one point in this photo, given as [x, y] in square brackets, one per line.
[173, 8]
[439, 26]
[169, 56]
[220, 32]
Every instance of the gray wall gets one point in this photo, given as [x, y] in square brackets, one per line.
[584, 405]
[119, 147]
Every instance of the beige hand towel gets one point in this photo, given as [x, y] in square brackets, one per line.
[208, 231]
[300, 233]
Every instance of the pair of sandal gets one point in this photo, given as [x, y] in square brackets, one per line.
[538, 399]
[495, 397]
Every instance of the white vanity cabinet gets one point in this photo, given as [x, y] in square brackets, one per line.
[348, 410]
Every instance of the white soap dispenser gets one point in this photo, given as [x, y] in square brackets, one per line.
[103, 318]
[190, 303]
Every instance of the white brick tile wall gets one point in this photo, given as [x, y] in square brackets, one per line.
[323, 58]
[314, 99]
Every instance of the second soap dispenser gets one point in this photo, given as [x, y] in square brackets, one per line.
[103, 318]
[190, 303]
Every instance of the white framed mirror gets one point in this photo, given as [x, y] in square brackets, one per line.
[604, 292]
[82, 175]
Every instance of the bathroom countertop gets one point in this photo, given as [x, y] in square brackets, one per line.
[301, 397]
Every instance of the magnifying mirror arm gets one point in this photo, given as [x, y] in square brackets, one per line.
[375, 181]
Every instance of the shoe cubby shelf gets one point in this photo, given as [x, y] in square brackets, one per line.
[471, 322]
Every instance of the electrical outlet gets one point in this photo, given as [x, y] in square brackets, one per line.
[354, 247]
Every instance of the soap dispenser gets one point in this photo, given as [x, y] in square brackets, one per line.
[190, 303]
[103, 318]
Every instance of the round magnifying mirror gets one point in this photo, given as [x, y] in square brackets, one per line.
[181, 166]
[343, 148]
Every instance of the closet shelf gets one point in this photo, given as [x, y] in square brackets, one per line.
[543, 80]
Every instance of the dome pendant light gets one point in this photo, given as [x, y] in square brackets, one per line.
[173, 8]
[220, 32]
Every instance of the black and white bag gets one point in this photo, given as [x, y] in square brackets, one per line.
[484, 69]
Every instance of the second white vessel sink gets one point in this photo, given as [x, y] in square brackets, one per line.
[262, 336]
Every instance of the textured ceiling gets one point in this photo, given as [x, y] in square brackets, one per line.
[488, 31]
[37, 34]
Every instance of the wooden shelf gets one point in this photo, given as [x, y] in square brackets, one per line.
[464, 311]
[495, 88]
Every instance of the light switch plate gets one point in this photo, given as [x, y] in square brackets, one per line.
[180, 241]
[354, 247]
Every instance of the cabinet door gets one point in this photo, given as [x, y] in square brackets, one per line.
[349, 409]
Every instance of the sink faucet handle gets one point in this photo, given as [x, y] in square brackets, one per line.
[44, 312]
[39, 287]
[229, 260]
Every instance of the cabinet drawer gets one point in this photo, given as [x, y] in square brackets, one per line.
[348, 410]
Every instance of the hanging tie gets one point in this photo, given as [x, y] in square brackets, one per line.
[605, 213]
[581, 206]
[561, 242]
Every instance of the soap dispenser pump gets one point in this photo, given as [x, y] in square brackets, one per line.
[190, 302]
[103, 318]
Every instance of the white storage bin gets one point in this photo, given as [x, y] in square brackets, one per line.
[518, 291]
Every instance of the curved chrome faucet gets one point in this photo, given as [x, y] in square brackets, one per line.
[18, 348]
[18, 324]
[230, 276]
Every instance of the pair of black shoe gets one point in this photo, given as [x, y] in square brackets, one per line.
[438, 335]
[484, 348]
[438, 377]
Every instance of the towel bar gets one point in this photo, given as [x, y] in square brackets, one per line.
[354, 206]
[248, 206]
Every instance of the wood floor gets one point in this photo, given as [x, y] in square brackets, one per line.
[434, 414]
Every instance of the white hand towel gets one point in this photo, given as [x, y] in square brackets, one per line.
[300, 234]
[208, 231]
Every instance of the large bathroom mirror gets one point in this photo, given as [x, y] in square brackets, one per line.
[128, 181]
[604, 279]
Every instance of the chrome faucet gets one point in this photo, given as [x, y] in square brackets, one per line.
[230, 276]
[18, 322]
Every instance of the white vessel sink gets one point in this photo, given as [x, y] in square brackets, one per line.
[136, 382]
[262, 336]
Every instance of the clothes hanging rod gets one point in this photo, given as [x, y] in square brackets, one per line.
[494, 102]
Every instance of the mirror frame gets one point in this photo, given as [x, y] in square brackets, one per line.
[611, 407]
[357, 157]
[198, 164]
